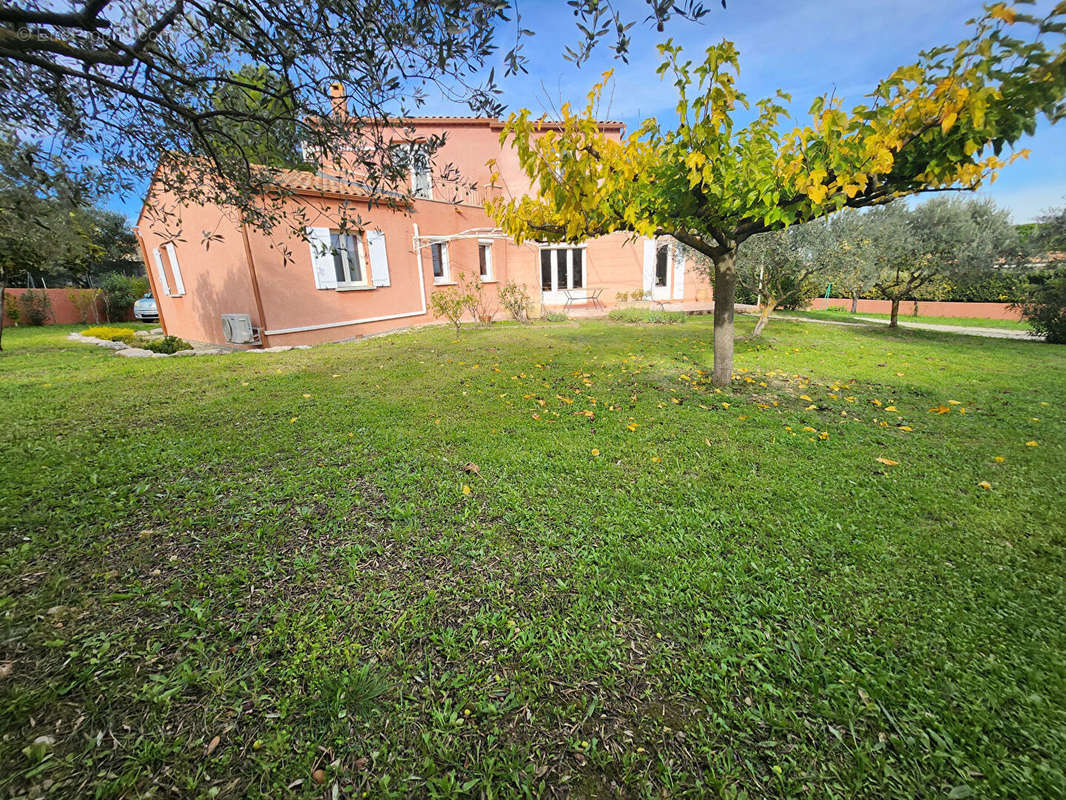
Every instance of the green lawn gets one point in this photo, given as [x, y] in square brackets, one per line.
[237, 576]
[972, 322]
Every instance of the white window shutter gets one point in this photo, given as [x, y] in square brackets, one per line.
[179, 284]
[379, 258]
[649, 265]
[321, 258]
[161, 272]
[679, 270]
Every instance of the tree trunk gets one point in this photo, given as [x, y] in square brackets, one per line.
[725, 290]
[764, 316]
[894, 321]
[854, 302]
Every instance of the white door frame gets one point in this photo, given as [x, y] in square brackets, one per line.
[658, 292]
[556, 296]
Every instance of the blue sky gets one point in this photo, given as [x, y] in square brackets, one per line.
[805, 47]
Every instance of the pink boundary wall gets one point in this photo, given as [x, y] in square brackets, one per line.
[926, 308]
[64, 312]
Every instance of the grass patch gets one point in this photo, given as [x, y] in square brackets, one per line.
[239, 574]
[646, 315]
[969, 322]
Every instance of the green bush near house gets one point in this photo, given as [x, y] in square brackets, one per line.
[126, 335]
[553, 316]
[168, 345]
[120, 292]
[648, 315]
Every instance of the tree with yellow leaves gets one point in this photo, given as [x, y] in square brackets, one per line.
[940, 124]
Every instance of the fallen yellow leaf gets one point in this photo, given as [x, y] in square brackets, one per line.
[998, 459]
[887, 461]
[890, 408]
[985, 485]
[1031, 444]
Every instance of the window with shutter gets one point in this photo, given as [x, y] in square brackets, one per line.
[160, 272]
[379, 257]
[175, 269]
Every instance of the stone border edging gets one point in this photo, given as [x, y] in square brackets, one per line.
[129, 351]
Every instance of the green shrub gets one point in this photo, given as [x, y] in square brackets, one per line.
[451, 303]
[1044, 304]
[85, 301]
[12, 308]
[646, 315]
[111, 334]
[120, 292]
[515, 299]
[553, 316]
[168, 345]
[36, 307]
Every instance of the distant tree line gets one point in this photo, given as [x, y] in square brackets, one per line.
[955, 248]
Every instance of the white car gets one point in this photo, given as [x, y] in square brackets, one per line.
[145, 309]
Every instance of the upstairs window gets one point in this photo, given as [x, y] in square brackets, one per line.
[415, 158]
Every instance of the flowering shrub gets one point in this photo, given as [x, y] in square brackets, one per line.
[111, 334]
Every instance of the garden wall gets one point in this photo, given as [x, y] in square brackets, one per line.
[926, 308]
[64, 311]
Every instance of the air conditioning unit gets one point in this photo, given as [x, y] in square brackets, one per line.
[238, 329]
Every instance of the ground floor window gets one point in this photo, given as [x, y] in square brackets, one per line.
[349, 259]
[484, 257]
[562, 268]
[441, 269]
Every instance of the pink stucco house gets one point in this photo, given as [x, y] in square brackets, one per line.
[336, 287]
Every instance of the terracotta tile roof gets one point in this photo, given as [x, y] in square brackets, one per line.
[325, 183]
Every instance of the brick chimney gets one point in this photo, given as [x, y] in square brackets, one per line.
[339, 100]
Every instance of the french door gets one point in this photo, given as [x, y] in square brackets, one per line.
[561, 268]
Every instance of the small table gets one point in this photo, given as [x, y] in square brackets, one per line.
[583, 296]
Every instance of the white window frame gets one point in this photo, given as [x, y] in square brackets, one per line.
[485, 246]
[445, 263]
[346, 267]
[411, 148]
[556, 295]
